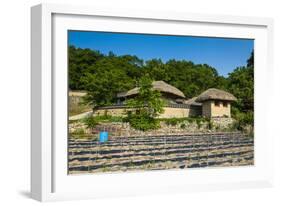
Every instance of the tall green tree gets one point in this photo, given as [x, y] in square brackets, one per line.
[79, 62]
[241, 85]
[146, 106]
[105, 79]
[156, 69]
[148, 101]
[190, 78]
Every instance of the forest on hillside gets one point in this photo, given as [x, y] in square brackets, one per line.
[104, 75]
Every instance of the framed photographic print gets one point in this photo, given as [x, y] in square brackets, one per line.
[135, 102]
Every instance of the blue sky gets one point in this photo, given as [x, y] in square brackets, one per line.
[224, 54]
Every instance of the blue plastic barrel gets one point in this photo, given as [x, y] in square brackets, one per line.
[103, 137]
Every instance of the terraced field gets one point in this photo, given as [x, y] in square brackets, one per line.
[160, 152]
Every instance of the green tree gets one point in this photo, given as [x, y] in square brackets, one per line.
[241, 84]
[90, 70]
[79, 62]
[156, 69]
[250, 61]
[147, 101]
[190, 78]
[147, 105]
[105, 79]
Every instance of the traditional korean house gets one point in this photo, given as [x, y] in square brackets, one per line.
[211, 103]
[169, 93]
[216, 103]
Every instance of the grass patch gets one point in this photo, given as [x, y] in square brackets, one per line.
[79, 131]
[109, 118]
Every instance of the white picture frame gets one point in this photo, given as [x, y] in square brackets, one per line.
[49, 179]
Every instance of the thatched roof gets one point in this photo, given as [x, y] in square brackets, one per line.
[156, 85]
[215, 94]
[192, 101]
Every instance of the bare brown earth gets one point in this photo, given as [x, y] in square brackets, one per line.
[160, 152]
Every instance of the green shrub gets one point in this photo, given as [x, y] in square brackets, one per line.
[243, 120]
[143, 122]
[247, 119]
[183, 126]
[172, 121]
[91, 122]
[210, 125]
[199, 123]
[109, 118]
[235, 125]
[190, 120]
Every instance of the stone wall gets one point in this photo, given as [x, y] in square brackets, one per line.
[111, 111]
[222, 122]
[169, 112]
[121, 129]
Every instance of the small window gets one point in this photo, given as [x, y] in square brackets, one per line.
[217, 103]
[225, 104]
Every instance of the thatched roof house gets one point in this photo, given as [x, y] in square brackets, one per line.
[215, 94]
[211, 103]
[216, 103]
[160, 86]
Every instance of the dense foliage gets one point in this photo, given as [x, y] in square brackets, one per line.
[91, 122]
[241, 85]
[147, 105]
[104, 75]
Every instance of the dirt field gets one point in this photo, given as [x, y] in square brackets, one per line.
[160, 152]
